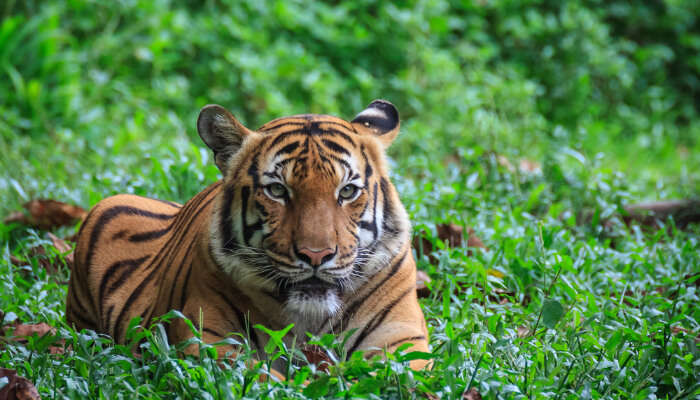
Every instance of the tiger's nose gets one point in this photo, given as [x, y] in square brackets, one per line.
[315, 257]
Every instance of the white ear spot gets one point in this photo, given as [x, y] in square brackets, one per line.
[372, 112]
[367, 124]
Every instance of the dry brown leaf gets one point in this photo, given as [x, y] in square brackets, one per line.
[684, 212]
[17, 261]
[523, 331]
[504, 162]
[315, 355]
[18, 388]
[421, 288]
[529, 166]
[40, 253]
[22, 331]
[47, 214]
[678, 329]
[471, 394]
[474, 241]
[451, 234]
[59, 243]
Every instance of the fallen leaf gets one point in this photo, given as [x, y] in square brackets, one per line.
[39, 252]
[523, 331]
[21, 333]
[47, 214]
[503, 162]
[684, 212]
[471, 394]
[451, 234]
[529, 166]
[421, 288]
[26, 330]
[474, 241]
[17, 261]
[59, 243]
[679, 329]
[70, 260]
[315, 355]
[17, 388]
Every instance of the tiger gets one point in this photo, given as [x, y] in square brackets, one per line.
[304, 228]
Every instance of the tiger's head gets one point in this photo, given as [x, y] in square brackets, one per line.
[307, 212]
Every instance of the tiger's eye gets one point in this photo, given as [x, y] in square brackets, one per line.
[276, 190]
[348, 192]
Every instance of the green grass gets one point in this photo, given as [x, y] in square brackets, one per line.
[99, 98]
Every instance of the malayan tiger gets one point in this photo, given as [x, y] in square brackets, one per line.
[305, 228]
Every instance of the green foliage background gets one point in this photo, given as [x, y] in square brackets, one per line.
[100, 97]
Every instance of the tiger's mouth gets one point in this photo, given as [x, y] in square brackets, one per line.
[313, 285]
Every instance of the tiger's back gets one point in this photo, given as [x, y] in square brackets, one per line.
[126, 252]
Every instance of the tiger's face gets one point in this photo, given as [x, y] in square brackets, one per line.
[307, 212]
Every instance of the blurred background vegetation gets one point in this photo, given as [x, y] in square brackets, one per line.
[89, 88]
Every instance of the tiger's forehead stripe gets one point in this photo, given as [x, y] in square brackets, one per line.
[308, 125]
[304, 119]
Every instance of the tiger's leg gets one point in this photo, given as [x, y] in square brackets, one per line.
[404, 323]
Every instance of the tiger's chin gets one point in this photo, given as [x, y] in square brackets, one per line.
[313, 305]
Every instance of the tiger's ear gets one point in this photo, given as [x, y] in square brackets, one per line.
[222, 132]
[380, 119]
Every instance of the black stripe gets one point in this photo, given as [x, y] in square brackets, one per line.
[336, 132]
[285, 135]
[226, 227]
[150, 235]
[213, 332]
[186, 260]
[253, 335]
[335, 146]
[350, 311]
[108, 318]
[79, 318]
[185, 284]
[124, 268]
[406, 340]
[287, 149]
[74, 292]
[377, 320]
[248, 230]
[120, 235]
[368, 167]
[78, 309]
[266, 128]
[231, 305]
[387, 214]
[372, 226]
